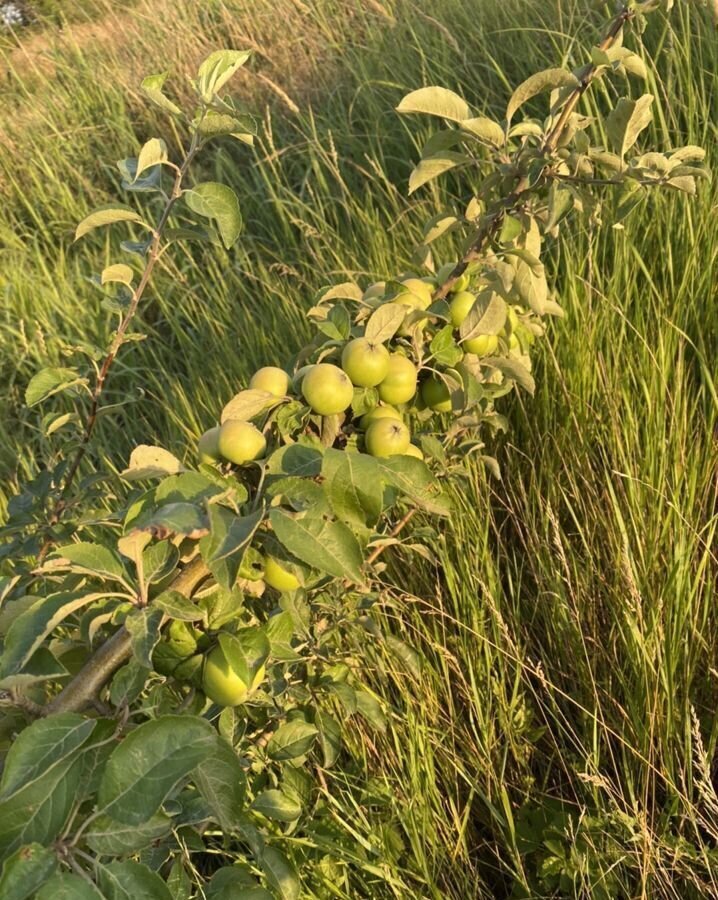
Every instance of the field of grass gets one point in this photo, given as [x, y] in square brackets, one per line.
[559, 738]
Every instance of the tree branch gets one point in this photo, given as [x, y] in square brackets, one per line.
[118, 340]
[83, 689]
[509, 204]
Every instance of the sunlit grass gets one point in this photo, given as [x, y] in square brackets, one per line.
[568, 623]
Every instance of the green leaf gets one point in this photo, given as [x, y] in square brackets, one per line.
[296, 459]
[384, 322]
[51, 381]
[119, 273]
[413, 477]
[152, 86]
[291, 740]
[444, 348]
[149, 762]
[433, 166]
[25, 871]
[277, 805]
[32, 626]
[486, 316]
[107, 215]
[220, 779]
[41, 779]
[352, 483]
[217, 69]
[486, 129]
[174, 518]
[229, 537]
[67, 886]
[370, 708]
[232, 883]
[218, 202]
[177, 606]
[625, 123]
[281, 875]
[537, 84]
[330, 737]
[247, 651]
[131, 880]
[153, 153]
[108, 837]
[42, 666]
[436, 101]
[93, 559]
[516, 371]
[151, 462]
[144, 628]
[247, 404]
[328, 546]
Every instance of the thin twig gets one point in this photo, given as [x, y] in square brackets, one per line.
[119, 338]
[509, 204]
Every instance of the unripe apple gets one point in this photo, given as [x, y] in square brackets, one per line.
[399, 386]
[327, 389]
[222, 684]
[208, 446]
[483, 345]
[366, 364]
[387, 437]
[276, 576]
[379, 412]
[374, 293]
[460, 307]
[436, 395]
[513, 318]
[240, 442]
[413, 450]
[418, 297]
[271, 379]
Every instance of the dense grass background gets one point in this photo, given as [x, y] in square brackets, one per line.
[564, 721]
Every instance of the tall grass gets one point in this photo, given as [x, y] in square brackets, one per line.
[559, 738]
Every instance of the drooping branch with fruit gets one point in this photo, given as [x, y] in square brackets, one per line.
[217, 618]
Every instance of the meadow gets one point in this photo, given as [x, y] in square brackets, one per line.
[553, 733]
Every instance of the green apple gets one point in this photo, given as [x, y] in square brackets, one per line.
[374, 293]
[413, 450]
[240, 442]
[327, 389]
[366, 364]
[387, 437]
[276, 576]
[222, 684]
[379, 412]
[270, 379]
[418, 296]
[483, 345]
[208, 446]
[436, 395]
[460, 307]
[399, 386]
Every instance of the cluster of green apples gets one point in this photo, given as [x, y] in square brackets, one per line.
[329, 389]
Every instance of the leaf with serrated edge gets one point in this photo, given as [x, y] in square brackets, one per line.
[436, 101]
[537, 84]
[149, 762]
[384, 322]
